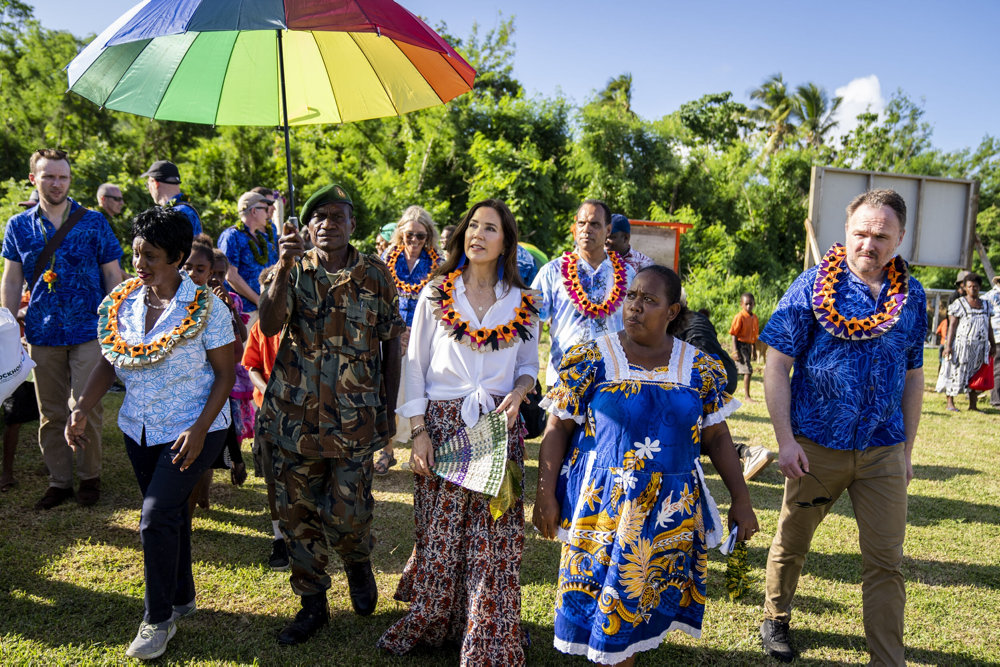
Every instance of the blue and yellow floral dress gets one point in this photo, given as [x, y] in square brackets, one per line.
[637, 518]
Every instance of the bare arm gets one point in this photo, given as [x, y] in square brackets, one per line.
[98, 383]
[952, 325]
[111, 273]
[718, 444]
[257, 379]
[555, 441]
[778, 395]
[191, 441]
[272, 307]
[241, 286]
[10, 287]
[913, 399]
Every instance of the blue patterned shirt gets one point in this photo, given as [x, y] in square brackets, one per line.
[168, 397]
[423, 267]
[567, 326]
[236, 244]
[848, 395]
[179, 201]
[526, 265]
[67, 314]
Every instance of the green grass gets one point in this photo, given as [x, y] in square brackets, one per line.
[71, 579]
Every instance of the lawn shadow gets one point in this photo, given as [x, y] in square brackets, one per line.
[942, 473]
[846, 567]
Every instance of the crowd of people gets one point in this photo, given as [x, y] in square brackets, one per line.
[322, 355]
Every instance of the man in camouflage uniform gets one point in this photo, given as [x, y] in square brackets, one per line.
[329, 400]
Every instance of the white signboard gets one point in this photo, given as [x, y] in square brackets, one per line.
[940, 213]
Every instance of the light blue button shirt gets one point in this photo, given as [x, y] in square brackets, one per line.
[567, 326]
[168, 396]
[993, 296]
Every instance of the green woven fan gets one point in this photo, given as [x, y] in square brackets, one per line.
[475, 458]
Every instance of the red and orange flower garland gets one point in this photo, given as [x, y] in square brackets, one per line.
[571, 280]
[121, 354]
[825, 294]
[406, 288]
[482, 339]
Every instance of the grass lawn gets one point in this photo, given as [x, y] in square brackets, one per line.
[71, 580]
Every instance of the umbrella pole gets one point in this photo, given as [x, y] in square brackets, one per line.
[288, 148]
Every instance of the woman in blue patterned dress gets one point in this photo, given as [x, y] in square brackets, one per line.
[171, 343]
[411, 257]
[620, 483]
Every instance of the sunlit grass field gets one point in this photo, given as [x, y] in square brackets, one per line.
[71, 580]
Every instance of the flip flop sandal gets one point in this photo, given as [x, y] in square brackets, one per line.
[384, 462]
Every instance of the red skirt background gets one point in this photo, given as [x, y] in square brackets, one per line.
[463, 580]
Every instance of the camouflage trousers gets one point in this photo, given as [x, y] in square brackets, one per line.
[324, 505]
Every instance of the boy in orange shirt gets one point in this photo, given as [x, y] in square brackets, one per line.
[258, 358]
[744, 331]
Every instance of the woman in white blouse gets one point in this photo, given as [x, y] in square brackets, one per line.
[473, 349]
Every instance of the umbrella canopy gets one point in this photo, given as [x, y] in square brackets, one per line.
[219, 62]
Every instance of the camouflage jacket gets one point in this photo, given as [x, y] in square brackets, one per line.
[325, 397]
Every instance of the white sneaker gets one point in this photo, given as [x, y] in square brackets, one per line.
[152, 640]
[756, 460]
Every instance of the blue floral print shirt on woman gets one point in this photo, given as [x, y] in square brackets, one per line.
[637, 518]
[167, 397]
[849, 393]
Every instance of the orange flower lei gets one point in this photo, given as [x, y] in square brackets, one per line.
[119, 353]
[406, 288]
[825, 294]
[571, 280]
[483, 339]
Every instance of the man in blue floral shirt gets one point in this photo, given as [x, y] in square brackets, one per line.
[251, 245]
[853, 329]
[61, 319]
[582, 291]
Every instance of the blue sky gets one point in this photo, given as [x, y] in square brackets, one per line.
[943, 54]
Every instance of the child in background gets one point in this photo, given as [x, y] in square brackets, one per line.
[200, 266]
[258, 358]
[744, 331]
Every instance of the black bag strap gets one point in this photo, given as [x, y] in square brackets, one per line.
[54, 242]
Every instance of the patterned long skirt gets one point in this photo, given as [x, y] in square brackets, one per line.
[463, 579]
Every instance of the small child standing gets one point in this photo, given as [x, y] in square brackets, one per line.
[744, 331]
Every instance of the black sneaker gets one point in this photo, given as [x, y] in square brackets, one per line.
[774, 637]
[54, 496]
[278, 560]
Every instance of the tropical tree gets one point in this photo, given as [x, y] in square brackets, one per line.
[618, 92]
[814, 110]
[774, 111]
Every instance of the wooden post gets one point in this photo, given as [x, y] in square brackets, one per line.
[811, 244]
[984, 258]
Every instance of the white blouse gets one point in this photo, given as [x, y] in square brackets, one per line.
[439, 368]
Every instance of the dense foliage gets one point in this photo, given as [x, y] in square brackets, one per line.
[739, 174]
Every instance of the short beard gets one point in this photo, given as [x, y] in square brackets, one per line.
[43, 197]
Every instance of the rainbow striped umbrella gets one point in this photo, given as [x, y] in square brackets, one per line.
[269, 62]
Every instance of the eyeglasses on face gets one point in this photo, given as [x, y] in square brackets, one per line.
[818, 501]
[114, 197]
[415, 236]
[259, 208]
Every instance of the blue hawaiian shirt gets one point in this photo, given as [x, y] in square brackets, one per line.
[526, 265]
[423, 267]
[236, 244]
[567, 326]
[167, 397]
[848, 395]
[180, 202]
[67, 314]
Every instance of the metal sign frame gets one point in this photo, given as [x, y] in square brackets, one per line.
[915, 212]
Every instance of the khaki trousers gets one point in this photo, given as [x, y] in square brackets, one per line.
[875, 479]
[61, 373]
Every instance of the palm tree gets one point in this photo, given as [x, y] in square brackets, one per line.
[815, 110]
[774, 111]
[618, 92]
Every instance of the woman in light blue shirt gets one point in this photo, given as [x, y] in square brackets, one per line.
[171, 343]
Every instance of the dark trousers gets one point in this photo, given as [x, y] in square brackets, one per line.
[165, 527]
